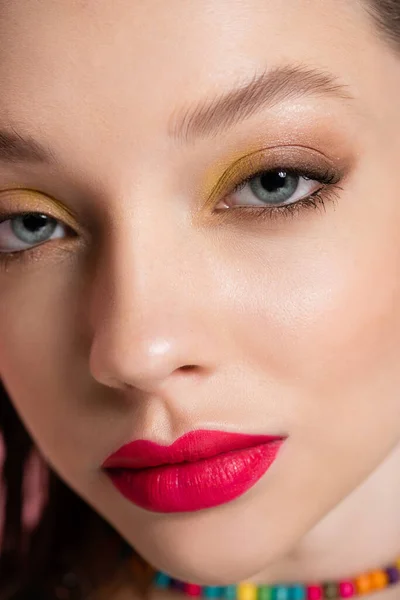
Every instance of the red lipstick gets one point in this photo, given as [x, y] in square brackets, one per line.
[201, 469]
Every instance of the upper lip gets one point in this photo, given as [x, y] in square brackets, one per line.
[192, 446]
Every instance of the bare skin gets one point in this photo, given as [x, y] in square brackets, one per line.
[289, 324]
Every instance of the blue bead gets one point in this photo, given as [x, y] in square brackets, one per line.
[229, 592]
[212, 591]
[162, 580]
[393, 574]
[280, 592]
[298, 592]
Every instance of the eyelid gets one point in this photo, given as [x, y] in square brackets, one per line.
[296, 158]
[23, 200]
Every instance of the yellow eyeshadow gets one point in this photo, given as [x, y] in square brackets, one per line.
[229, 172]
[215, 173]
[26, 200]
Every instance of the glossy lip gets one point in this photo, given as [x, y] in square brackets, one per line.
[201, 469]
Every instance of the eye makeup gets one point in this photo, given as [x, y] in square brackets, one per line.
[222, 180]
[297, 161]
[293, 159]
[22, 200]
[17, 202]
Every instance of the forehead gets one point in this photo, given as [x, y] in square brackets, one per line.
[95, 79]
[152, 53]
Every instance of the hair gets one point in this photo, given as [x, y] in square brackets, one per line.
[32, 564]
[69, 538]
[386, 16]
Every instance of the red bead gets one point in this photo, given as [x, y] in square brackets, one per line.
[191, 589]
[347, 589]
[314, 592]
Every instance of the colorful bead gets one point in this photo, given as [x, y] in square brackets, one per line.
[264, 592]
[393, 574]
[330, 591]
[298, 592]
[314, 592]
[280, 592]
[379, 579]
[347, 589]
[178, 585]
[190, 589]
[162, 580]
[229, 592]
[212, 591]
[363, 584]
[246, 591]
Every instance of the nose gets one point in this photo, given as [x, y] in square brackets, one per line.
[150, 323]
[124, 356]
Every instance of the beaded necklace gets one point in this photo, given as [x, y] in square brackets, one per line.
[365, 583]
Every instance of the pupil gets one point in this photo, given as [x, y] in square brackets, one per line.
[273, 181]
[34, 222]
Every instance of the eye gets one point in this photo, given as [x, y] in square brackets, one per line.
[25, 230]
[271, 188]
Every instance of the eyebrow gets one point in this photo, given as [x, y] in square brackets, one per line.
[17, 148]
[262, 92]
[208, 118]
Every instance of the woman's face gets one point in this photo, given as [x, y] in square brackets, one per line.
[164, 300]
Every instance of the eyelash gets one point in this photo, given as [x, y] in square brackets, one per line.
[329, 192]
[17, 256]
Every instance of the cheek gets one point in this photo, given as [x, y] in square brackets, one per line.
[40, 353]
[318, 316]
[317, 319]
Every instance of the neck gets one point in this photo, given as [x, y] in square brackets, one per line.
[360, 534]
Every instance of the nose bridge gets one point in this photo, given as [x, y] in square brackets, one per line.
[142, 303]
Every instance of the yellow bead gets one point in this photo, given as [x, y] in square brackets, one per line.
[397, 563]
[246, 591]
[363, 584]
[379, 580]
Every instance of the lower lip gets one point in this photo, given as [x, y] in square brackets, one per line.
[191, 486]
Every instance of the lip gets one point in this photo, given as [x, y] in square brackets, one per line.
[201, 469]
